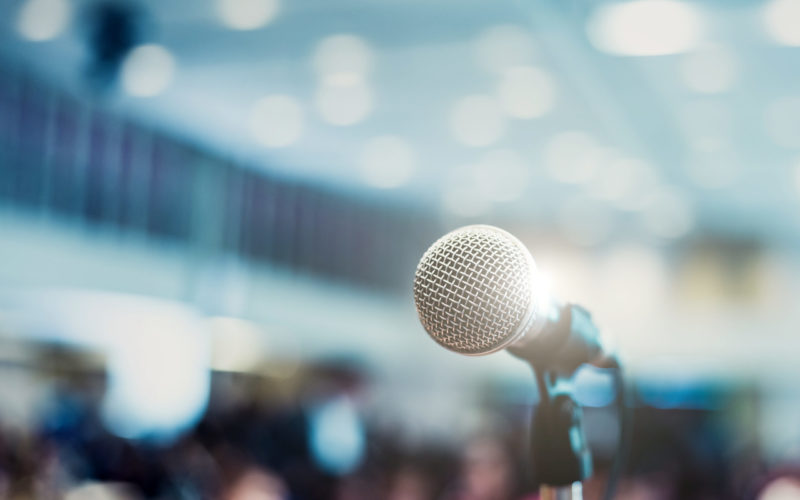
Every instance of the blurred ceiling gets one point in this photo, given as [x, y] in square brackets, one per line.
[505, 110]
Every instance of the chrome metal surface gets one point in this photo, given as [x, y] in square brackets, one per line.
[474, 292]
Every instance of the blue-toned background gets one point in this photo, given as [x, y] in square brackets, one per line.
[211, 212]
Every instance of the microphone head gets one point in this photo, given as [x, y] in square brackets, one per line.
[474, 291]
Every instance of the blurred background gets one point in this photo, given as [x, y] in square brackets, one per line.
[211, 212]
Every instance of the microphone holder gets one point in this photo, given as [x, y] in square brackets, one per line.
[559, 451]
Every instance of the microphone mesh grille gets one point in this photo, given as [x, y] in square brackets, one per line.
[473, 289]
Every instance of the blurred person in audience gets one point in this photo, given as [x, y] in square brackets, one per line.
[488, 472]
[782, 485]
[410, 483]
[258, 484]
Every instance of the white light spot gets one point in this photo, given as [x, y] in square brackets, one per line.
[710, 70]
[645, 27]
[247, 14]
[781, 19]
[343, 79]
[277, 121]
[98, 491]
[387, 162]
[637, 279]
[147, 70]
[584, 222]
[501, 175]
[668, 214]
[570, 268]
[623, 182]
[170, 394]
[504, 46]
[783, 488]
[237, 344]
[41, 20]
[526, 92]
[707, 125]
[783, 122]
[336, 436]
[477, 121]
[571, 156]
[344, 104]
[714, 169]
[707, 121]
[465, 200]
[709, 143]
[342, 54]
[797, 177]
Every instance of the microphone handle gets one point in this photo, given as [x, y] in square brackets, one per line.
[567, 341]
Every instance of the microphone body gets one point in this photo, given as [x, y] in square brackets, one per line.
[566, 341]
[476, 291]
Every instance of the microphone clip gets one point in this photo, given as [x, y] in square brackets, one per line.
[560, 453]
[566, 342]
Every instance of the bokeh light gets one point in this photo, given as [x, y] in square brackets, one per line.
[526, 92]
[781, 19]
[624, 182]
[337, 436]
[711, 69]
[464, 199]
[477, 120]
[342, 54]
[147, 71]
[41, 20]
[344, 103]
[572, 156]
[668, 214]
[504, 46]
[247, 14]
[584, 221]
[645, 27]
[277, 121]
[714, 169]
[707, 124]
[502, 175]
[783, 488]
[782, 121]
[797, 176]
[99, 491]
[637, 277]
[237, 345]
[170, 394]
[387, 161]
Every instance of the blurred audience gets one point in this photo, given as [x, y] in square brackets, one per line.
[255, 442]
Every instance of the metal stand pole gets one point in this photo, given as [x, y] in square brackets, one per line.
[572, 492]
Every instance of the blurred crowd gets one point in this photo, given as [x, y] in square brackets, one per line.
[254, 443]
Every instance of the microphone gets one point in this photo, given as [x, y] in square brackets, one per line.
[476, 291]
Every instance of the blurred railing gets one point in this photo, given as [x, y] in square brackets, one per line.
[67, 158]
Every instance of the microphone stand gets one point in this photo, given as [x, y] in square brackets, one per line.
[559, 453]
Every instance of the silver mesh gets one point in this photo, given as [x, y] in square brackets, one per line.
[473, 289]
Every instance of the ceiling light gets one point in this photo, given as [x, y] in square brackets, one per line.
[645, 27]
